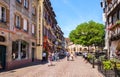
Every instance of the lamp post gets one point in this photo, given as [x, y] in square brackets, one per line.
[93, 64]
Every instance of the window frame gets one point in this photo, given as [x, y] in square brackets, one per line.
[33, 29]
[26, 4]
[3, 14]
[25, 24]
[18, 21]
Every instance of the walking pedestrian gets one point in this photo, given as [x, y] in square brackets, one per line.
[68, 55]
[44, 56]
[72, 56]
[50, 59]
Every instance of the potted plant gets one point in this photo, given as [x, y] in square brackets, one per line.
[118, 22]
[107, 65]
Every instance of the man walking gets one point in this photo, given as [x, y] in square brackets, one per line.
[68, 55]
[44, 56]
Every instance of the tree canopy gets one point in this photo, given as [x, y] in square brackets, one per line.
[88, 33]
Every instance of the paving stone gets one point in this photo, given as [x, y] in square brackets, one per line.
[63, 68]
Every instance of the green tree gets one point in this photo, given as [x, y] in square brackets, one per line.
[88, 33]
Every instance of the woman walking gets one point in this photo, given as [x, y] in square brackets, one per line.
[50, 59]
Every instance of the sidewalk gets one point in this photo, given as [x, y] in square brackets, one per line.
[64, 68]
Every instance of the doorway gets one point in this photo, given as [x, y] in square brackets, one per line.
[2, 57]
[33, 54]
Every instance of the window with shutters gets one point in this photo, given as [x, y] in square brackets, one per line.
[2, 14]
[26, 4]
[25, 24]
[114, 18]
[17, 21]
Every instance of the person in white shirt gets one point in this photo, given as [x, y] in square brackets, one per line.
[44, 56]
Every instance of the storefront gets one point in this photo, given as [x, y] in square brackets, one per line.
[2, 53]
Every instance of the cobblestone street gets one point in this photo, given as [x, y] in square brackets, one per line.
[63, 68]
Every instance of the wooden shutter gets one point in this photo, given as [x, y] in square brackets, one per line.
[27, 26]
[7, 15]
[27, 4]
[21, 22]
[14, 19]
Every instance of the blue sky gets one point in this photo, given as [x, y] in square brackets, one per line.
[70, 13]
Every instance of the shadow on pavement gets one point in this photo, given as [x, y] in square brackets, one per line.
[25, 65]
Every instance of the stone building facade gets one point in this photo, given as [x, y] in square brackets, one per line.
[17, 32]
[52, 33]
[27, 28]
[71, 47]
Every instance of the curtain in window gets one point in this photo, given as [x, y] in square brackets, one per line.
[33, 29]
[18, 21]
[25, 25]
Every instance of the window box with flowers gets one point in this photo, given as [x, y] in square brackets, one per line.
[118, 22]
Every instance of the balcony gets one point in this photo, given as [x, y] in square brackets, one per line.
[112, 4]
[112, 27]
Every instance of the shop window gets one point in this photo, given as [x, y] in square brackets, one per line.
[24, 50]
[2, 14]
[19, 50]
[14, 50]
